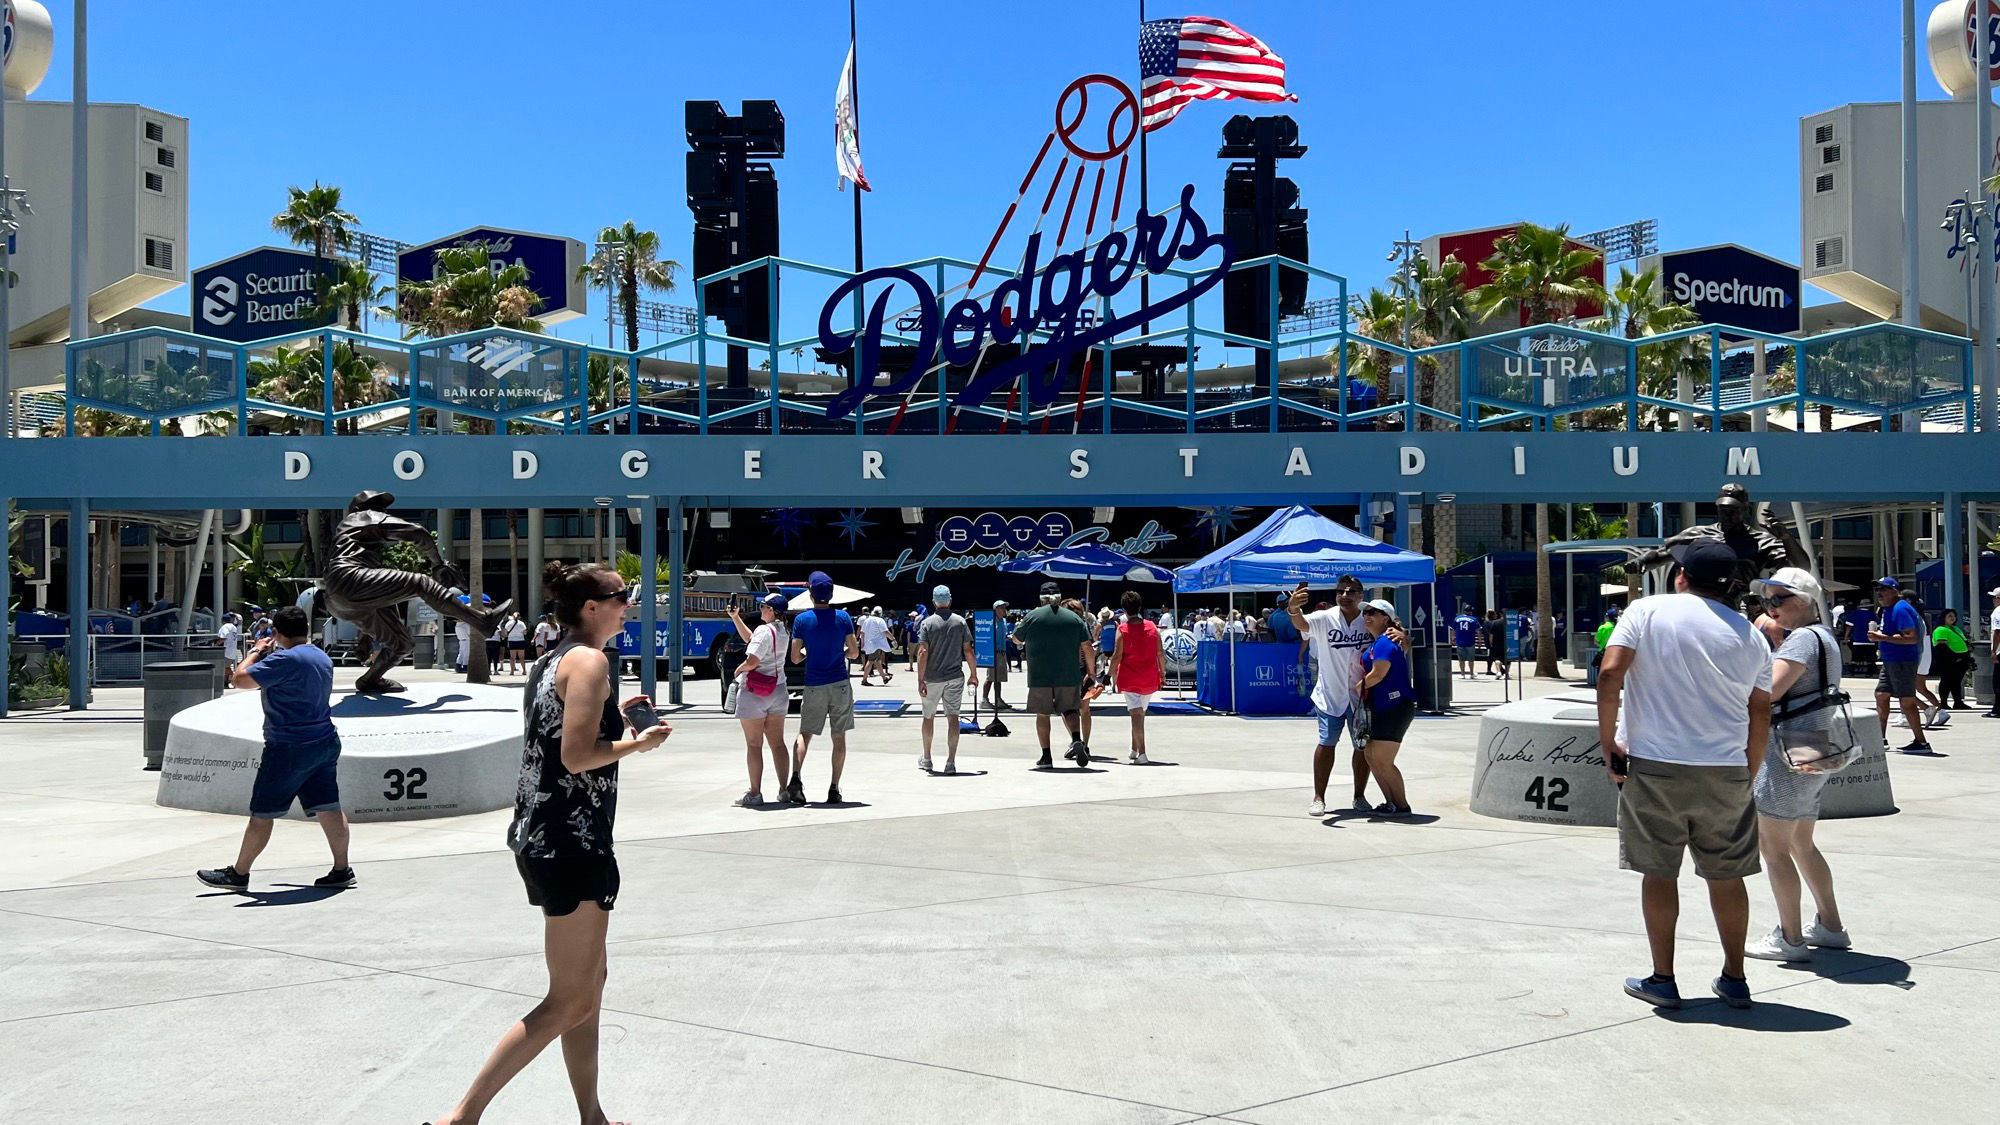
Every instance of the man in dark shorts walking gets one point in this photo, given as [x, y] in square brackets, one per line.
[1682, 742]
[1897, 641]
[301, 748]
[1060, 659]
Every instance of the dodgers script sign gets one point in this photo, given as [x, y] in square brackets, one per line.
[1043, 305]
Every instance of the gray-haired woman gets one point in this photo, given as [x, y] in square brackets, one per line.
[1788, 800]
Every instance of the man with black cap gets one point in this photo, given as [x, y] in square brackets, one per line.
[1896, 636]
[1060, 661]
[1683, 713]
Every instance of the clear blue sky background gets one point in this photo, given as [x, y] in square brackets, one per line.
[1440, 116]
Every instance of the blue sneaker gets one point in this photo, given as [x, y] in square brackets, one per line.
[1660, 992]
[1735, 993]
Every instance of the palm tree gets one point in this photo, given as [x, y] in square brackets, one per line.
[477, 669]
[465, 293]
[312, 217]
[798, 357]
[1536, 270]
[1441, 313]
[352, 290]
[628, 260]
[293, 377]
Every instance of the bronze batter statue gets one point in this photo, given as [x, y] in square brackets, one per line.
[1759, 550]
[360, 589]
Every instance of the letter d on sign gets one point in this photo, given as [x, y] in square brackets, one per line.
[1413, 460]
[298, 466]
[526, 465]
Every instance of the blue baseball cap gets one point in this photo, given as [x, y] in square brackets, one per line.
[777, 601]
[1888, 582]
[820, 586]
[941, 595]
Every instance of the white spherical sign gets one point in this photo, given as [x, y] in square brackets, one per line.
[1949, 38]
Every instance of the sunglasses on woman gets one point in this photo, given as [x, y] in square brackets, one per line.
[1775, 600]
[623, 594]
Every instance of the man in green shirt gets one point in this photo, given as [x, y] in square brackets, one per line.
[1603, 638]
[1060, 659]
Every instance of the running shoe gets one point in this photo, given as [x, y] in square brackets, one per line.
[1317, 808]
[1735, 993]
[1774, 947]
[1825, 937]
[1939, 718]
[1388, 810]
[339, 877]
[1917, 747]
[1046, 763]
[924, 763]
[1139, 759]
[832, 796]
[228, 878]
[951, 769]
[1078, 752]
[1660, 992]
[797, 793]
[751, 800]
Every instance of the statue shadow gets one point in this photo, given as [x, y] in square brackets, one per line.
[357, 706]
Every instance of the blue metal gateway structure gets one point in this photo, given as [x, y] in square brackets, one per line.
[1549, 413]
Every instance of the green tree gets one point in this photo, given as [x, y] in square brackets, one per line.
[294, 377]
[630, 262]
[1441, 313]
[313, 217]
[1378, 316]
[1537, 271]
[352, 291]
[271, 581]
[466, 293]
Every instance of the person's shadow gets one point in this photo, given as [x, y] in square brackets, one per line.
[1845, 966]
[1763, 1015]
[287, 894]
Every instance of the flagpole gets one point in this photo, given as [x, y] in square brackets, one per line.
[854, 96]
[1145, 285]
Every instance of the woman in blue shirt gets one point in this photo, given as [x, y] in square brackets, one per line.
[1392, 704]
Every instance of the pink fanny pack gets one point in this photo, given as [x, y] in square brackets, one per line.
[760, 683]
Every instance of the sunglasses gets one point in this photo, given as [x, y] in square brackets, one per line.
[623, 594]
[1778, 599]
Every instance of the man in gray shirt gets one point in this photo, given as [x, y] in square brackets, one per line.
[945, 661]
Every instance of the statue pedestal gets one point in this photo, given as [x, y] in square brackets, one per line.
[436, 750]
[1539, 761]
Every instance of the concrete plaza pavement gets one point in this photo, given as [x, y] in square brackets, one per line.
[1152, 945]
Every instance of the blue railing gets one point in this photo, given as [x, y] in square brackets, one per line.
[499, 380]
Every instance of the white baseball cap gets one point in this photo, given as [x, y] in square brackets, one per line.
[1791, 580]
[1383, 607]
[1994, 592]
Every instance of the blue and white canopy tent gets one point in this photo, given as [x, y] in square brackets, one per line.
[1294, 545]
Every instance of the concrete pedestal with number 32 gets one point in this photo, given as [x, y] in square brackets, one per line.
[436, 750]
[1539, 760]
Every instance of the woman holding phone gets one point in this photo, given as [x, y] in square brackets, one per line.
[762, 698]
[561, 832]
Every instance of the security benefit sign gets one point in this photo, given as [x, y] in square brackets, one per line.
[1733, 285]
[1549, 370]
[552, 262]
[262, 293]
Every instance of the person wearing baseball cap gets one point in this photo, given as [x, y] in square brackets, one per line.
[1895, 636]
[946, 661]
[1060, 659]
[1788, 801]
[997, 675]
[1392, 705]
[1683, 716]
[823, 638]
[760, 698]
[1993, 639]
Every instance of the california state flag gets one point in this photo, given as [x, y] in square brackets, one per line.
[846, 131]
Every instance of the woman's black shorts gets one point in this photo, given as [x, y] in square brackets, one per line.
[1392, 724]
[559, 886]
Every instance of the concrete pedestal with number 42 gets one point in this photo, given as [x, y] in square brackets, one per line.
[1539, 760]
[436, 750]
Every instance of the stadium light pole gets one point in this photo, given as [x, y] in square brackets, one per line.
[79, 177]
[1911, 314]
[1989, 354]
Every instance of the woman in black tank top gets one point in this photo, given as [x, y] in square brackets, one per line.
[561, 832]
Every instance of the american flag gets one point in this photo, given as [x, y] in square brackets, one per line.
[1199, 57]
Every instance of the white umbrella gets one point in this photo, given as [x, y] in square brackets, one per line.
[842, 595]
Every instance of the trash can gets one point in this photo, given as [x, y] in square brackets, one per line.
[1432, 669]
[172, 687]
[1982, 675]
[427, 650]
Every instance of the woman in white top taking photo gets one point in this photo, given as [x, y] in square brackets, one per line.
[759, 697]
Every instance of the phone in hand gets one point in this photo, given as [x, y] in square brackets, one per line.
[641, 715]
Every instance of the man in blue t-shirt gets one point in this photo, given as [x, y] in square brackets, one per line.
[824, 638]
[1464, 638]
[1896, 638]
[301, 748]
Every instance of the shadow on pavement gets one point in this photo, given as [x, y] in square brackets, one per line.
[960, 773]
[1760, 1016]
[287, 894]
[1848, 967]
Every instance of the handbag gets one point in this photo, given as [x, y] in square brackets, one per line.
[761, 683]
[1818, 751]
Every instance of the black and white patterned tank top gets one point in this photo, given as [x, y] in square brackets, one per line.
[559, 814]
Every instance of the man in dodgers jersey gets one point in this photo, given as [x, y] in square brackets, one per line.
[1338, 638]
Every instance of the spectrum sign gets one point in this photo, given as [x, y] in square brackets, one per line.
[1733, 285]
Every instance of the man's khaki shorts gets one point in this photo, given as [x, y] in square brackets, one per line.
[1055, 700]
[1667, 807]
[944, 694]
[824, 704]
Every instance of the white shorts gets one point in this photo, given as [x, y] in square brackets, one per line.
[949, 693]
[1137, 700]
[749, 705]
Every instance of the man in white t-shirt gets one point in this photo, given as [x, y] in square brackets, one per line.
[1338, 638]
[231, 636]
[1993, 640]
[1683, 742]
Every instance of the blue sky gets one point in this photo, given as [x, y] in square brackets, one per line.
[560, 118]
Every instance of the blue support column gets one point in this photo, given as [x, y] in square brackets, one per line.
[676, 583]
[78, 564]
[1953, 556]
[6, 591]
[649, 589]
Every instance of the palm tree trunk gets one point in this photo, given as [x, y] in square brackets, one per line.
[1631, 568]
[1545, 639]
[477, 670]
[514, 556]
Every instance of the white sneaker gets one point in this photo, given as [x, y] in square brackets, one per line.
[1939, 718]
[924, 763]
[1897, 720]
[1819, 935]
[1774, 947]
[1930, 715]
[1139, 759]
[1317, 808]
